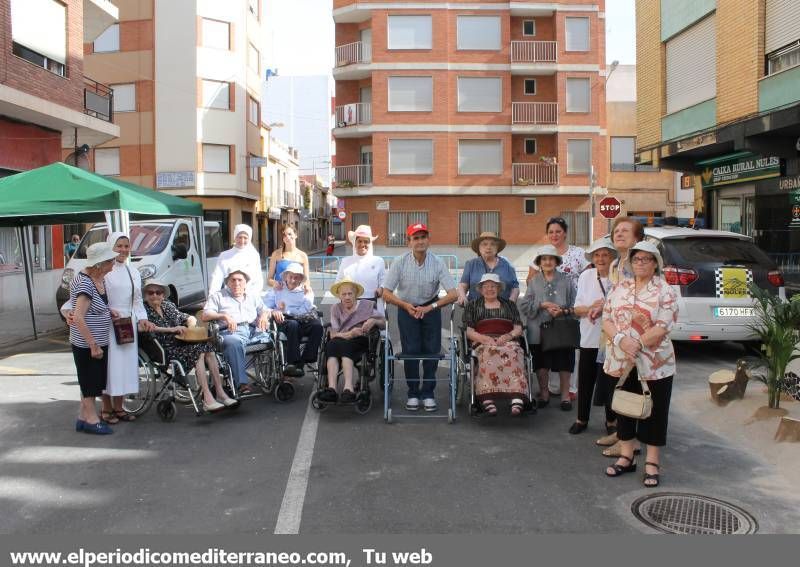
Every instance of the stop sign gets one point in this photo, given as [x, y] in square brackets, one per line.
[610, 207]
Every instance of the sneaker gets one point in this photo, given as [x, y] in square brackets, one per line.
[294, 370]
[429, 404]
[412, 404]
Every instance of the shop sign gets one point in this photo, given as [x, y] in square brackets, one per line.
[175, 179]
[382, 205]
[741, 170]
[795, 216]
[789, 183]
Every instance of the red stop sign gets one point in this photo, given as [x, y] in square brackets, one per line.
[610, 207]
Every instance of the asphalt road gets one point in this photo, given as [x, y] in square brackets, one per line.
[286, 468]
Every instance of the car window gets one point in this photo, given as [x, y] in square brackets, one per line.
[182, 236]
[214, 245]
[704, 250]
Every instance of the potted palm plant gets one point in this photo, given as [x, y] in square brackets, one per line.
[777, 324]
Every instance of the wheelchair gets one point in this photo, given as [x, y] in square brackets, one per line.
[368, 367]
[467, 365]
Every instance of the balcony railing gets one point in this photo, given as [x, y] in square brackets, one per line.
[351, 53]
[98, 100]
[534, 113]
[533, 51]
[535, 173]
[353, 175]
[353, 114]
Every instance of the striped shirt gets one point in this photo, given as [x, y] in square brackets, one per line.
[98, 316]
[418, 284]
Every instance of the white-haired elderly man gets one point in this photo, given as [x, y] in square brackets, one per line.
[246, 319]
[293, 309]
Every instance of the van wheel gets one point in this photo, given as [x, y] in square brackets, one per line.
[752, 348]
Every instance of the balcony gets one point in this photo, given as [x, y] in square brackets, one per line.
[353, 114]
[352, 61]
[97, 16]
[534, 173]
[98, 100]
[534, 51]
[353, 176]
[534, 113]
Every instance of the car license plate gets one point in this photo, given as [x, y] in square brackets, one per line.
[733, 312]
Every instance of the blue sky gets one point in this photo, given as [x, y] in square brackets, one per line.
[299, 35]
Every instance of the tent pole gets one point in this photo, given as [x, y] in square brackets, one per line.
[23, 235]
[199, 227]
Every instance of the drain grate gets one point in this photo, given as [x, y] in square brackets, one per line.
[692, 514]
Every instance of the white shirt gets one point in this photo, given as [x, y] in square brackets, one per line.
[246, 259]
[588, 292]
[368, 270]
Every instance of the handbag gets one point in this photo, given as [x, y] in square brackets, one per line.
[123, 326]
[630, 404]
[560, 333]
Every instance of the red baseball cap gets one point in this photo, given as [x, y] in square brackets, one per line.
[415, 228]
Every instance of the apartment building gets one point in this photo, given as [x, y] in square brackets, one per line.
[48, 101]
[470, 116]
[281, 198]
[187, 98]
[645, 192]
[719, 98]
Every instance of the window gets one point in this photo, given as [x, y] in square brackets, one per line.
[253, 113]
[530, 146]
[472, 223]
[529, 28]
[124, 97]
[398, 222]
[578, 223]
[216, 94]
[106, 161]
[254, 172]
[529, 206]
[480, 156]
[782, 25]
[410, 32]
[357, 219]
[216, 34]
[253, 62]
[530, 86]
[108, 40]
[478, 33]
[784, 59]
[218, 237]
[410, 157]
[39, 33]
[577, 34]
[578, 95]
[622, 150]
[691, 66]
[410, 94]
[216, 158]
[480, 94]
[579, 156]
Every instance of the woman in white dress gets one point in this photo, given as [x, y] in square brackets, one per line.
[363, 266]
[124, 290]
[243, 256]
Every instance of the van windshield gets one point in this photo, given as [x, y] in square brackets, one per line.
[146, 240]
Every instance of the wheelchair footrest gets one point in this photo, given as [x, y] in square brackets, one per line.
[403, 356]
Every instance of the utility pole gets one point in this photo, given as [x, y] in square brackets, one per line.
[592, 187]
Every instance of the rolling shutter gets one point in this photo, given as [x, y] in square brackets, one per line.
[692, 65]
[783, 24]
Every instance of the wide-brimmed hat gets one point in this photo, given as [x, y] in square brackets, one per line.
[651, 248]
[362, 231]
[293, 268]
[490, 278]
[487, 236]
[347, 281]
[599, 244]
[239, 270]
[547, 250]
[152, 281]
[99, 252]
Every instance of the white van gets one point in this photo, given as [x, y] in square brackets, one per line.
[167, 249]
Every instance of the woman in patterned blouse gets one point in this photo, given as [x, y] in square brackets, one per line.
[639, 314]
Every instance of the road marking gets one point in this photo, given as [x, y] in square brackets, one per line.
[291, 512]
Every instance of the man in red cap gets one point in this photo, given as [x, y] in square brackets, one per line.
[412, 283]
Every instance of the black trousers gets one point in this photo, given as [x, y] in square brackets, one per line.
[653, 430]
[594, 384]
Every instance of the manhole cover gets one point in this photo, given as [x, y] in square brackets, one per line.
[676, 513]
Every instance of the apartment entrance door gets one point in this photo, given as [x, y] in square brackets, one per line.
[366, 163]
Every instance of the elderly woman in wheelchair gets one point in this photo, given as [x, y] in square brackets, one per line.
[352, 321]
[171, 323]
[493, 327]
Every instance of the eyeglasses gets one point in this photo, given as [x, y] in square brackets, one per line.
[558, 220]
[642, 260]
[76, 239]
[154, 292]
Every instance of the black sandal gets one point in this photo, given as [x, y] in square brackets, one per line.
[578, 427]
[653, 477]
[109, 417]
[611, 428]
[619, 469]
[122, 415]
[542, 403]
[489, 408]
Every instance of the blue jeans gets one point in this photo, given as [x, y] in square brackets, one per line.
[233, 345]
[423, 337]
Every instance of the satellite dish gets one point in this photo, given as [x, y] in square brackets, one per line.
[79, 158]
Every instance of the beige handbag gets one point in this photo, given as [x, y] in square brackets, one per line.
[630, 404]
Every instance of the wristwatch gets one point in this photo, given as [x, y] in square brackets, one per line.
[434, 305]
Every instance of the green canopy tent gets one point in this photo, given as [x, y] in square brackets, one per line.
[61, 194]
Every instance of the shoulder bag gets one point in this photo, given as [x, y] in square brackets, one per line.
[123, 326]
[630, 404]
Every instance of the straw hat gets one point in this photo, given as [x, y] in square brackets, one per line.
[599, 244]
[194, 335]
[547, 250]
[158, 283]
[488, 236]
[362, 231]
[98, 253]
[490, 278]
[651, 248]
[293, 268]
[347, 281]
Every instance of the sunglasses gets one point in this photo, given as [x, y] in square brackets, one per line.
[154, 292]
[558, 220]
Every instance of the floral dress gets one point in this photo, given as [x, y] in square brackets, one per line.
[186, 353]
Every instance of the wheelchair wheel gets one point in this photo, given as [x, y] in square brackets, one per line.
[451, 418]
[318, 404]
[166, 410]
[363, 402]
[389, 415]
[381, 363]
[265, 372]
[284, 392]
[140, 402]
